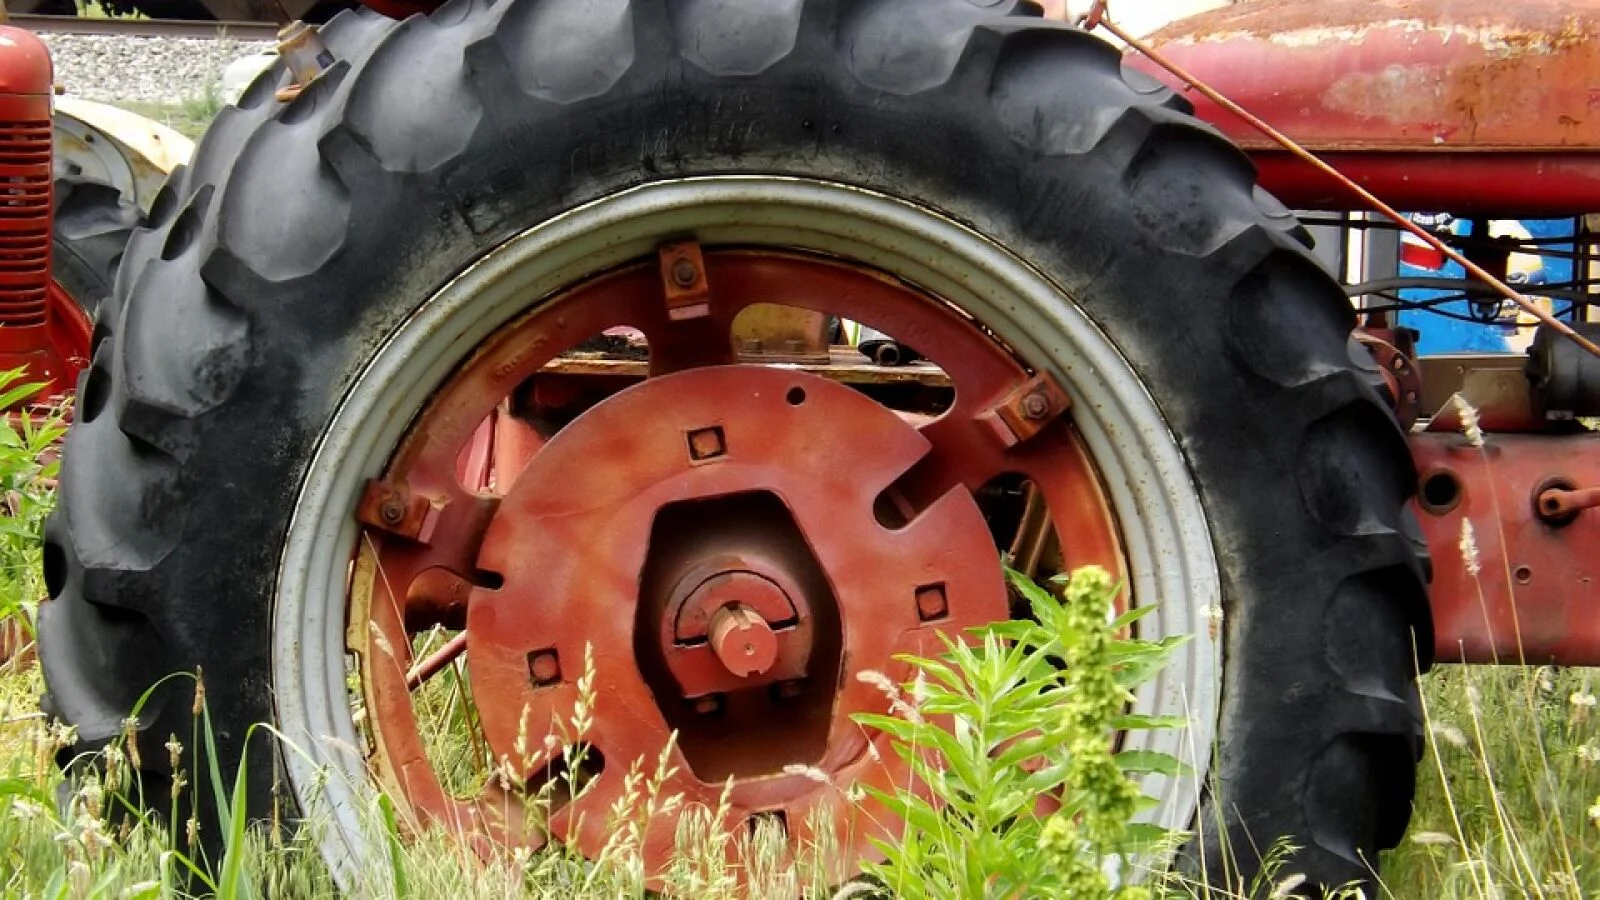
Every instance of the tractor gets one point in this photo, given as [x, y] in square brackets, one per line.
[521, 343]
[80, 174]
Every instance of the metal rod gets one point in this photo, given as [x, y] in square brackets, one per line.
[1033, 530]
[1098, 16]
[440, 658]
[1558, 502]
[207, 29]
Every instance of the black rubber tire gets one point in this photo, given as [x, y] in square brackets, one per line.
[305, 233]
[92, 225]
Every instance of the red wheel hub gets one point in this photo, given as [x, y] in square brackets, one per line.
[574, 541]
[718, 552]
[708, 621]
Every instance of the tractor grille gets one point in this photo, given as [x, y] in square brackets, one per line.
[25, 212]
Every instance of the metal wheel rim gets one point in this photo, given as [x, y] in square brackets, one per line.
[1163, 527]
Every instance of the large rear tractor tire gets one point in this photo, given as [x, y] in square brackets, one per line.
[360, 284]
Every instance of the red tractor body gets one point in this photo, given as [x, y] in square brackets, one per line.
[1478, 109]
[1475, 107]
[41, 328]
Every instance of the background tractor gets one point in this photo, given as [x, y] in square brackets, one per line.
[1479, 118]
[79, 174]
[503, 344]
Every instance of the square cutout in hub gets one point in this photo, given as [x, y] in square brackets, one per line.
[706, 444]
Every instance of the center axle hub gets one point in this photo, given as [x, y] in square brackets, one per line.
[742, 640]
[750, 599]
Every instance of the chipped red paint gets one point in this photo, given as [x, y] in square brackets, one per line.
[1522, 588]
[1468, 105]
[42, 328]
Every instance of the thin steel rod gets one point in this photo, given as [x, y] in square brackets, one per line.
[440, 658]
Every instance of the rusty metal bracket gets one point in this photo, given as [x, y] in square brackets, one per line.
[767, 332]
[1027, 409]
[1092, 19]
[1511, 584]
[1400, 376]
[395, 511]
[307, 57]
[1499, 400]
[683, 277]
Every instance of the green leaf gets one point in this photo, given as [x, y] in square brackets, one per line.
[1047, 778]
[894, 726]
[397, 854]
[1031, 747]
[1148, 761]
[12, 397]
[232, 882]
[26, 789]
[1132, 722]
[1132, 616]
[1144, 837]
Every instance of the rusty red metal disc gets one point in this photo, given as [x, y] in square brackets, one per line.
[730, 556]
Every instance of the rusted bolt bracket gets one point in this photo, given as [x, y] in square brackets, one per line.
[1559, 506]
[1090, 20]
[306, 56]
[1027, 410]
[1400, 377]
[395, 511]
[683, 279]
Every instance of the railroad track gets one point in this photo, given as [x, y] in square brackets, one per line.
[163, 28]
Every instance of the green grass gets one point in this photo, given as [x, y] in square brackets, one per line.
[87, 838]
[1506, 788]
[188, 119]
[1508, 803]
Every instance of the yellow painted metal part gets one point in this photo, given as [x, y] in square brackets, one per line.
[105, 136]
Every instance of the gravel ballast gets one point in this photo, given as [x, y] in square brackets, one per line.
[115, 69]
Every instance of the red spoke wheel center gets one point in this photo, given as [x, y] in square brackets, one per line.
[759, 477]
[727, 547]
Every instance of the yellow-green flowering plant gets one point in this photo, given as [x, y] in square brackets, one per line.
[1026, 709]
